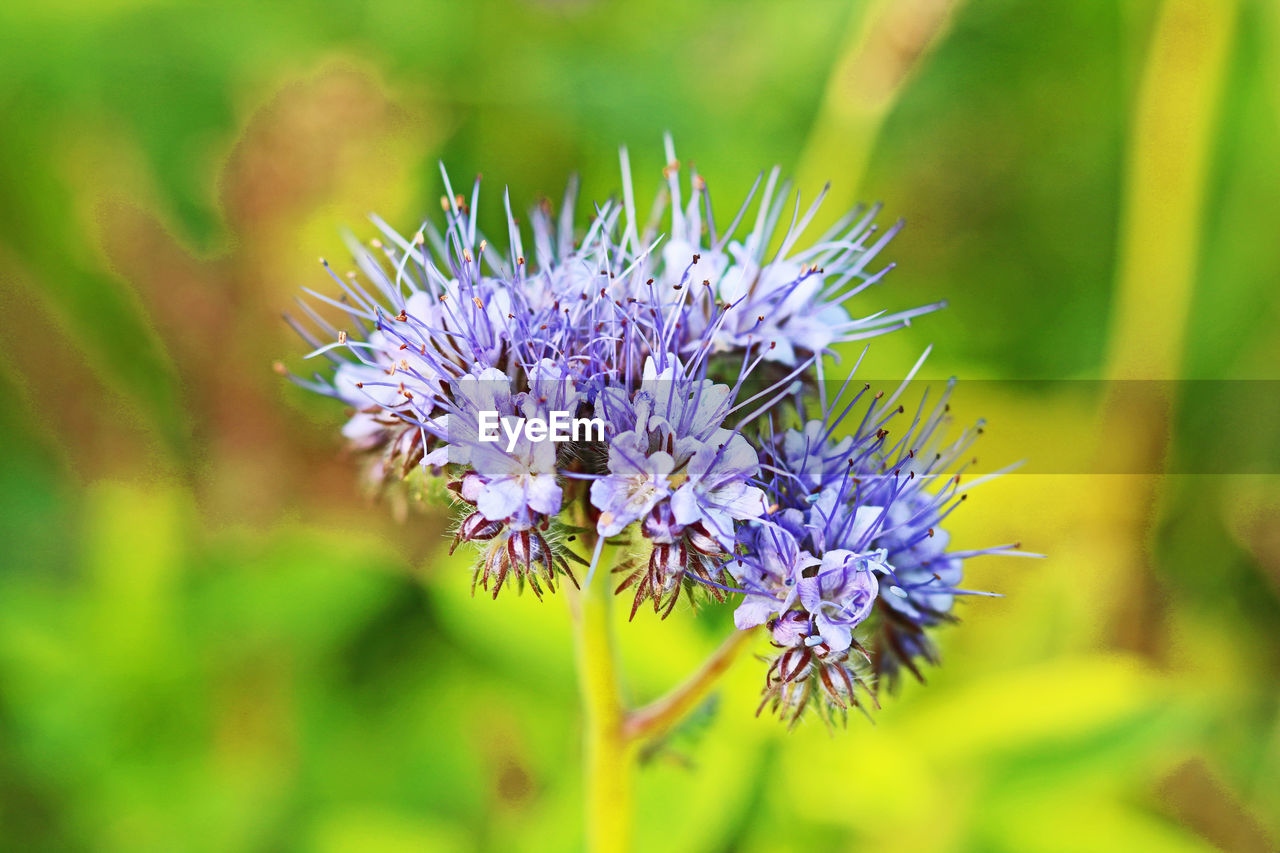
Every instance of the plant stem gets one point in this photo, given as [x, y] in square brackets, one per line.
[608, 756]
[658, 717]
[611, 734]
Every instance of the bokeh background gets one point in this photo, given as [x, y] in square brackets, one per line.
[211, 639]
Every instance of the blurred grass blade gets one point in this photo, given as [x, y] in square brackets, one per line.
[887, 43]
[1168, 162]
[1160, 233]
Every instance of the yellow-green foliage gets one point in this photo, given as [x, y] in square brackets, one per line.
[210, 640]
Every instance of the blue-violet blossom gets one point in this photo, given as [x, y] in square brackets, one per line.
[699, 350]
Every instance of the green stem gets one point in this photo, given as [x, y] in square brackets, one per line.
[611, 733]
[608, 756]
[660, 716]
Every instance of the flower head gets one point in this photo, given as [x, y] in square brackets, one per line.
[688, 351]
[870, 506]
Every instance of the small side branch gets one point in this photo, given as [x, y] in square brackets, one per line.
[660, 716]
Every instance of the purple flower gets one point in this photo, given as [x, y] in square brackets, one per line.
[873, 509]
[835, 522]
[509, 481]
[812, 461]
[769, 573]
[519, 485]
[718, 491]
[839, 596]
[675, 419]
[924, 577]
[636, 482]
[697, 350]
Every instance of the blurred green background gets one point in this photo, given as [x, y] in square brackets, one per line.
[211, 640]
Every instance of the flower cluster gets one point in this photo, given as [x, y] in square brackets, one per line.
[855, 536]
[695, 349]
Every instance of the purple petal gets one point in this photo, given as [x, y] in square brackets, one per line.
[543, 494]
[501, 499]
[754, 610]
[838, 635]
